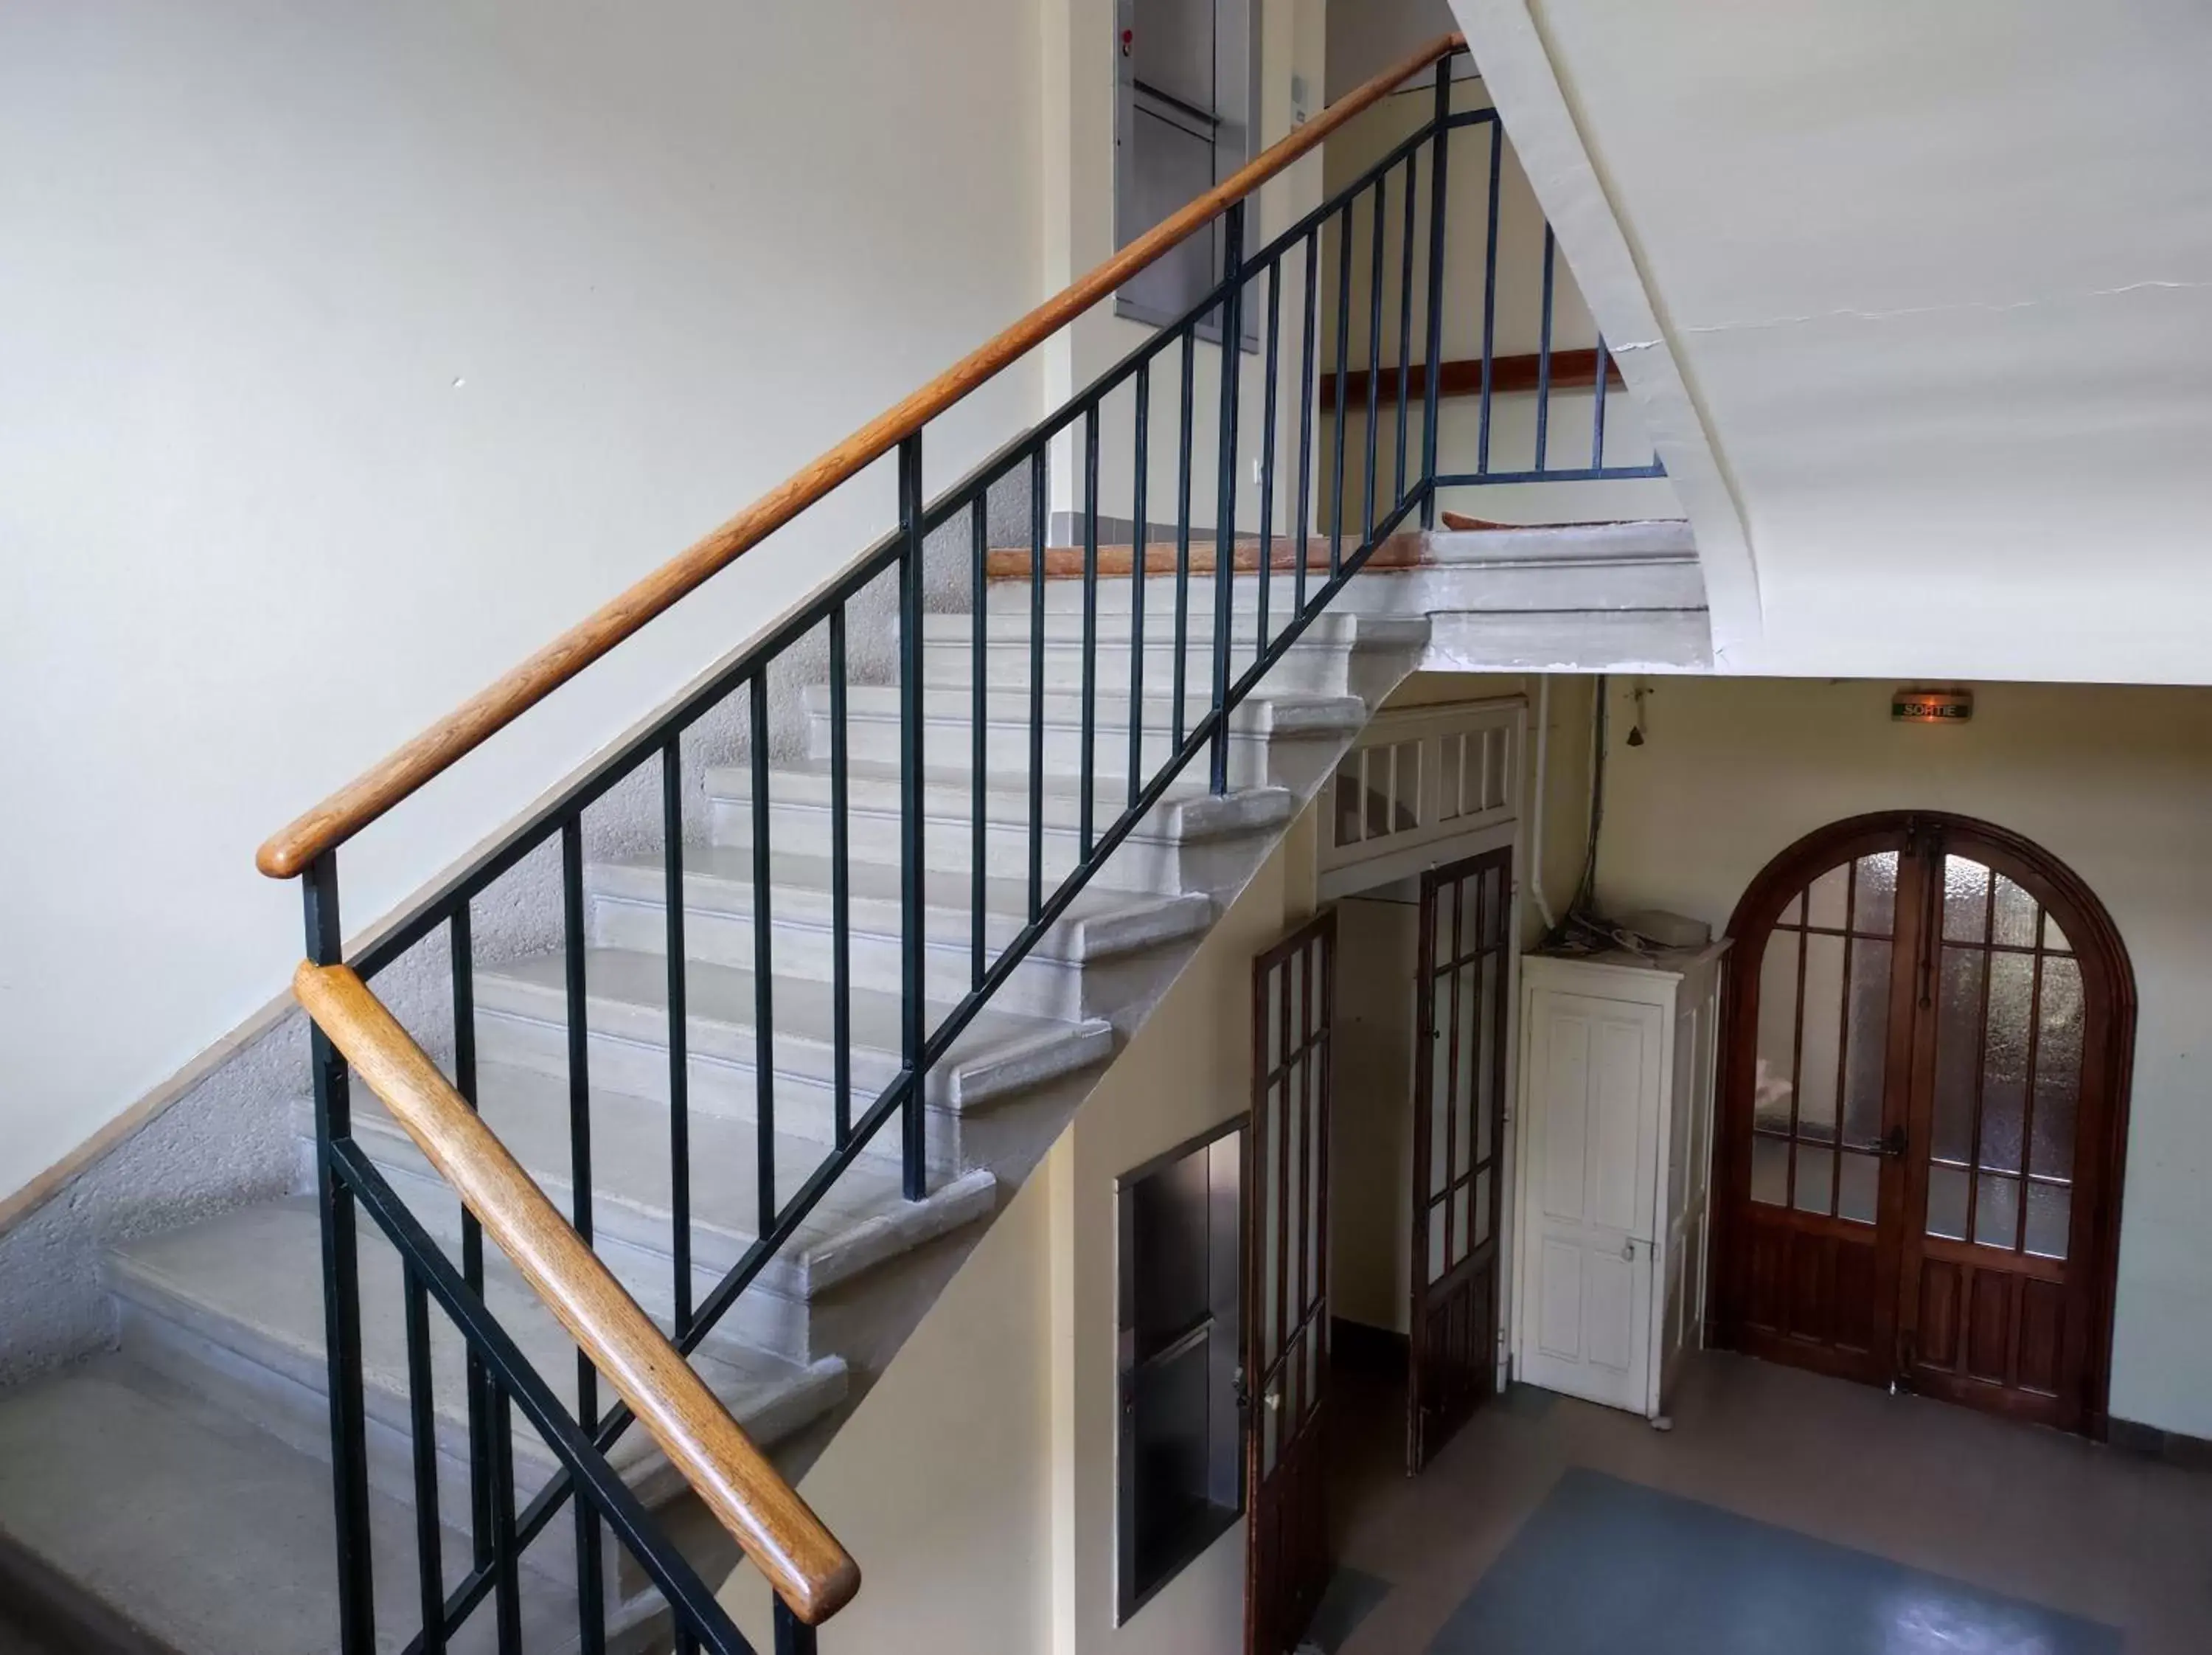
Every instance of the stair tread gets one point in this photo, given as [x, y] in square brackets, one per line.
[251, 1279]
[1332, 627]
[529, 1113]
[210, 1536]
[948, 789]
[802, 1008]
[727, 870]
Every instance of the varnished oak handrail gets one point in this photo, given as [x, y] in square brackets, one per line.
[801, 1559]
[376, 790]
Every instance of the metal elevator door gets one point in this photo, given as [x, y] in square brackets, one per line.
[1185, 94]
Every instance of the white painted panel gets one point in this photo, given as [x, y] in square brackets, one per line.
[1565, 1114]
[1560, 1299]
[1617, 1104]
[1608, 1324]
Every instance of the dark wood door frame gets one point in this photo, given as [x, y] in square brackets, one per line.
[1465, 928]
[1287, 1562]
[2108, 985]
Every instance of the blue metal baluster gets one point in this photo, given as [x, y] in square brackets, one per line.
[1597, 415]
[463, 950]
[764, 1206]
[1224, 526]
[1544, 355]
[679, 1068]
[913, 1136]
[792, 1635]
[1038, 480]
[841, 893]
[1088, 715]
[590, 1606]
[1440, 125]
[978, 675]
[341, 1284]
[1182, 529]
[506, 1544]
[1309, 393]
[1267, 446]
[422, 1431]
[1405, 317]
[1343, 382]
[1140, 563]
[1373, 357]
[1489, 296]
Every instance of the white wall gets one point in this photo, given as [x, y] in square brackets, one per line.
[2117, 783]
[348, 353]
[1938, 280]
[1516, 329]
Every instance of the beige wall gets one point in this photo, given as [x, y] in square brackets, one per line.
[975, 1483]
[2117, 783]
[941, 1480]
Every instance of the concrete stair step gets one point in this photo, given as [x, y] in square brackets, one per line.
[1156, 857]
[146, 1519]
[233, 1308]
[522, 1020]
[863, 1221]
[1067, 976]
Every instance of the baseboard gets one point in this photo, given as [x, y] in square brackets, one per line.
[1360, 1348]
[2174, 1447]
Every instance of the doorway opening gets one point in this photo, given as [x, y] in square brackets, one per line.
[1924, 1117]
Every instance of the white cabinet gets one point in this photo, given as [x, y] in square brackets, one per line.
[1616, 1121]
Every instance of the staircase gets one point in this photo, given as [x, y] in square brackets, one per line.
[904, 953]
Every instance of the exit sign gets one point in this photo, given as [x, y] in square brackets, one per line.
[1932, 706]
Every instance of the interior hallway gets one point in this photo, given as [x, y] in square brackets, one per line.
[2103, 1550]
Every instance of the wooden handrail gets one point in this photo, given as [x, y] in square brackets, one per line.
[802, 1560]
[376, 790]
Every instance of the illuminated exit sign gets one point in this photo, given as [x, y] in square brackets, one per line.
[1932, 706]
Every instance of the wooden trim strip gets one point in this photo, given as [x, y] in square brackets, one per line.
[801, 1559]
[1399, 551]
[1571, 370]
[360, 801]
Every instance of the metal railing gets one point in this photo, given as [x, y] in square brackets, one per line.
[1057, 860]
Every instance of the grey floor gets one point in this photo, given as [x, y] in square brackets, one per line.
[1783, 1512]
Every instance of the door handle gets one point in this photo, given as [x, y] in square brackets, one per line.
[1893, 1143]
[1628, 1250]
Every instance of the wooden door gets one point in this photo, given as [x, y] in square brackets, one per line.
[1462, 988]
[1286, 1316]
[1924, 1117]
[1595, 1069]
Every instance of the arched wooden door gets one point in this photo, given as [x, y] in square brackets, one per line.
[1924, 1108]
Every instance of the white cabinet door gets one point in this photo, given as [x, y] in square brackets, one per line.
[1594, 1086]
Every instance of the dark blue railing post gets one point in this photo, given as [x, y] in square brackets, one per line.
[341, 1283]
[1225, 525]
[914, 1138]
[792, 1635]
[1435, 345]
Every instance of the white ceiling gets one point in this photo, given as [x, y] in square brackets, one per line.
[1938, 281]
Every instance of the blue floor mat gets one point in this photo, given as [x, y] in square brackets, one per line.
[1607, 1567]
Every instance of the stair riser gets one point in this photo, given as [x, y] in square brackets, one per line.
[1600, 583]
[1143, 863]
[1304, 670]
[633, 1244]
[804, 1108]
[1038, 987]
[1007, 746]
